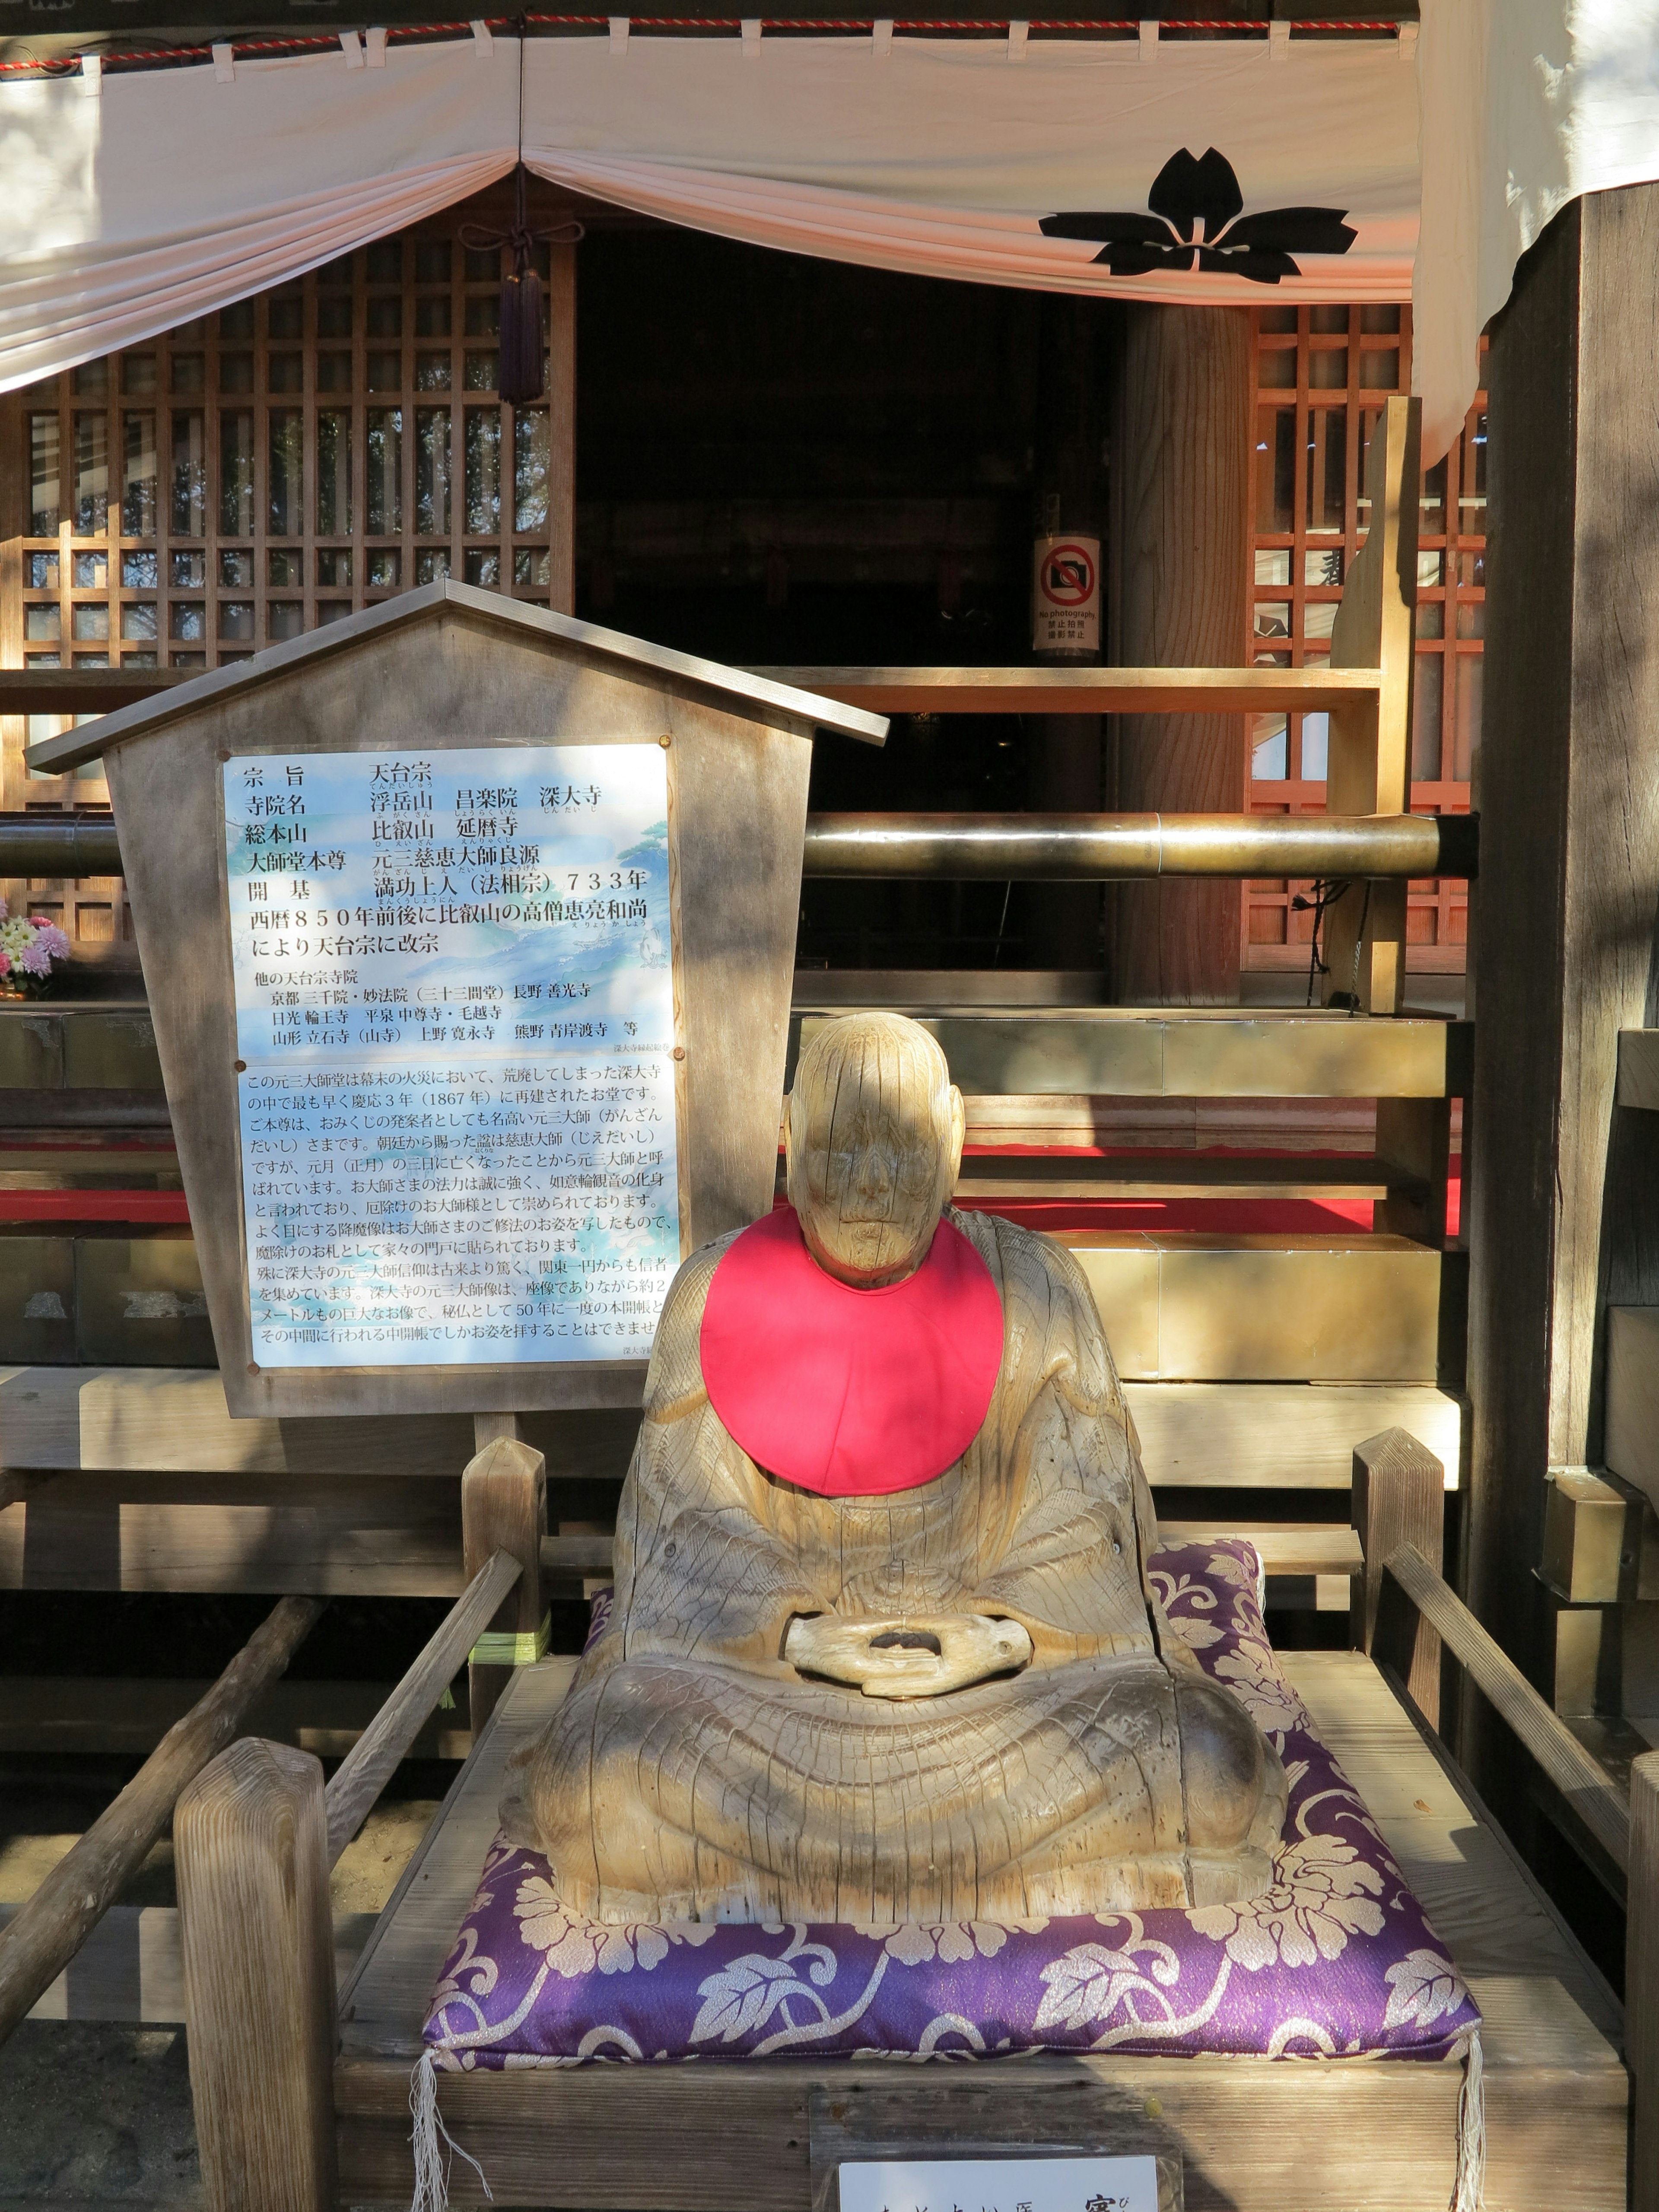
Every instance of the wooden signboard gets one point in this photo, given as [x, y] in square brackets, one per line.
[469, 932]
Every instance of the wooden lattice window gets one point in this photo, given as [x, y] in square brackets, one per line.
[270, 468]
[1320, 375]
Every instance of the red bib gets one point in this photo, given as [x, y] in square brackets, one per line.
[851, 1393]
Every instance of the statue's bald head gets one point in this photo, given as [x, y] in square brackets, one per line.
[874, 1143]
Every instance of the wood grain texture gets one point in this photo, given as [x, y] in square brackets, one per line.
[37, 1944]
[1287, 1547]
[1398, 1498]
[128, 1716]
[1178, 594]
[131, 1967]
[1632, 1432]
[480, 670]
[1291, 1436]
[1581, 1778]
[153, 1419]
[1638, 1069]
[1194, 1305]
[1371, 749]
[374, 1757]
[1125, 1053]
[1562, 1209]
[1121, 691]
[250, 1840]
[503, 1509]
[1589, 1528]
[320, 1534]
[1256, 2136]
[562, 429]
[1642, 1980]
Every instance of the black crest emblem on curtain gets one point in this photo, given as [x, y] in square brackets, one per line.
[1187, 193]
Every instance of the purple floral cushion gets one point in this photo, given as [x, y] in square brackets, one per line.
[1336, 1961]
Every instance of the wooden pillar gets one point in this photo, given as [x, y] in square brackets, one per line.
[504, 1509]
[250, 1838]
[1642, 1981]
[1062, 751]
[1398, 1498]
[1563, 1186]
[1179, 596]
[562, 429]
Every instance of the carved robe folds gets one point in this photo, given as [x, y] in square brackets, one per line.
[693, 1773]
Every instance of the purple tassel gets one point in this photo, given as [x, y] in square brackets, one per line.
[522, 343]
[521, 371]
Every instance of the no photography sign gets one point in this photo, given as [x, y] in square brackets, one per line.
[1065, 595]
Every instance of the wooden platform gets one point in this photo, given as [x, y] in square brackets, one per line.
[1256, 2135]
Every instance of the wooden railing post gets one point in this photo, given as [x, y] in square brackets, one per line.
[1398, 1498]
[1369, 770]
[504, 1509]
[250, 1839]
[1642, 1980]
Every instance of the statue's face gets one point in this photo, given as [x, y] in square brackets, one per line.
[873, 1160]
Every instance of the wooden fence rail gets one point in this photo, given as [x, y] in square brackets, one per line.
[368, 1766]
[40, 1939]
[1413, 1594]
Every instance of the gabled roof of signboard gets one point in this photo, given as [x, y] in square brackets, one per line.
[768, 701]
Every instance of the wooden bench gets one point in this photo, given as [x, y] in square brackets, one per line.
[1256, 2136]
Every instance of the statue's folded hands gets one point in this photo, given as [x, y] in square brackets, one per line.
[918, 1655]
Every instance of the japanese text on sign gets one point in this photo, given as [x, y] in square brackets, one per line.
[455, 1017]
[1000, 2184]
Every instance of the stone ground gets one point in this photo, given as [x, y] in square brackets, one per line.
[95, 2114]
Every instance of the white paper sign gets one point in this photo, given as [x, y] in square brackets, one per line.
[454, 1013]
[1000, 2184]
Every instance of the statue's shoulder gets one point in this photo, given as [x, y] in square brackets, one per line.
[676, 1371]
[1046, 1299]
[1024, 1263]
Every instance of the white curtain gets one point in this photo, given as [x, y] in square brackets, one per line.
[166, 192]
[170, 192]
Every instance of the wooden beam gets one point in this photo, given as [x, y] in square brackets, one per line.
[1281, 1436]
[1559, 1209]
[131, 1966]
[1168, 691]
[1398, 1498]
[1109, 1051]
[1115, 1177]
[383, 1745]
[127, 1715]
[250, 1841]
[82, 690]
[153, 1419]
[1210, 1307]
[36, 1946]
[1412, 1586]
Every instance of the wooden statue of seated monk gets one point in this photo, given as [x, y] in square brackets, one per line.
[883, 1647]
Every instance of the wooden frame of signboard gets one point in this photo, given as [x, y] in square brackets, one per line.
[451, 668]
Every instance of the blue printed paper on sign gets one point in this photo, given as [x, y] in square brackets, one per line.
[455, 1022]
